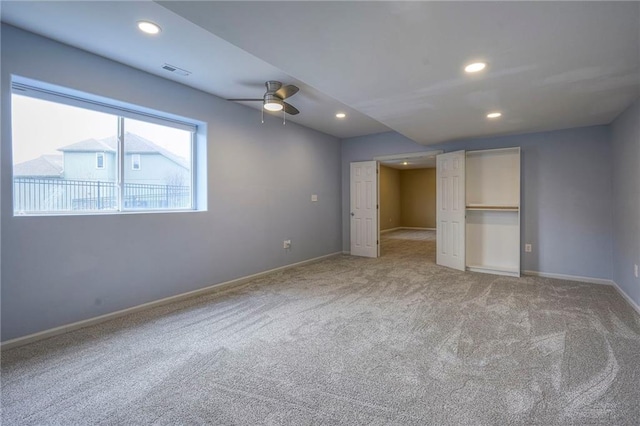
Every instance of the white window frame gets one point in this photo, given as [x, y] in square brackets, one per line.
[134, 162]
[98, 156]
[49, 92]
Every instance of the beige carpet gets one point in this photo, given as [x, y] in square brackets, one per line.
[389, 341]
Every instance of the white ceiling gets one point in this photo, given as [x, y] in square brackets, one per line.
[108, 28]
[551, 65]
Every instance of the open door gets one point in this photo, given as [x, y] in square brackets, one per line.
[364, 208]
[450, 210]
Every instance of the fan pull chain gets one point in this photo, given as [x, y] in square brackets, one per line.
[262, 110]
[284, 117]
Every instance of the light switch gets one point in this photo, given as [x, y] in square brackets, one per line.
[314, 197]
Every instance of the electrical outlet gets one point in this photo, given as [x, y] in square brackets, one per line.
[635, 270]
[527, 248]
[286, 244]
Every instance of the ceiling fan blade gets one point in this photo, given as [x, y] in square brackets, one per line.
[290, 109]
[287, 91]
[245, 100]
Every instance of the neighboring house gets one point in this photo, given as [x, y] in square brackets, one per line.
[85, 175]
[45, 166]
[95, 160]
[145, 162]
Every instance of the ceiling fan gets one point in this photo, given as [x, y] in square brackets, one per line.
[273, 99]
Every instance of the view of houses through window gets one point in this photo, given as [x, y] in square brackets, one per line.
[71, 159]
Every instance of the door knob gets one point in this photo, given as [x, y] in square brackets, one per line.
[353, 214]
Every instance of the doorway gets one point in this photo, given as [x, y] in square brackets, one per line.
[407, 187]
[365, 221]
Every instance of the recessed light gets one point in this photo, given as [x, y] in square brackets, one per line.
[475, 67]
[149, 27]
[494, 115]
[341, 115]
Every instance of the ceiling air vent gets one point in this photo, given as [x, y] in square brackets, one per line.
[176, 70]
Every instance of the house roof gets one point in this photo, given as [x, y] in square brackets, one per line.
[44, 166]
[134, 144]
[91, 145]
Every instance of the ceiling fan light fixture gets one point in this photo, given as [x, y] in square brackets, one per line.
[272, 103]
[341, 115]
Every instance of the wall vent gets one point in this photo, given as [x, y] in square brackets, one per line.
[176, 70]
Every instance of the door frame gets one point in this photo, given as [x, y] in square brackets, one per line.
[399, 157]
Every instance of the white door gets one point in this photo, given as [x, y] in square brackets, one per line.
[450, 210]
[364, 208]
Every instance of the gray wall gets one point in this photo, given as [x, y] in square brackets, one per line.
[57, 270]
[626, 200]
[566, 193]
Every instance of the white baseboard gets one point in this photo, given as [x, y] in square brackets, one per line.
[346, 252]
[228, 285]
[628, 298]
[570, 277]
[590, 280]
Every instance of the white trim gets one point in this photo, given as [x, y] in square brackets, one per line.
[346, 252]
[104, 159]
[628, 298]
[482, 151]
[570, 277]
[133, 162]
[493, 270]
[432, 153]
[215, 288]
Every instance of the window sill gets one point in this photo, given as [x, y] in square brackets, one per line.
[104, 213]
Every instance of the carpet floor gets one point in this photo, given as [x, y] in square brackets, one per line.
[390, 341]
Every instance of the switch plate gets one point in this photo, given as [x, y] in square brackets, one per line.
[527, 248]
[314, 197]
[286, 244]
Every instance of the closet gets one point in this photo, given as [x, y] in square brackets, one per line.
[485, 237]
[493, 211]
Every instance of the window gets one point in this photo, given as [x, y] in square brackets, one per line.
[99, 160]
[135, 161]
[70, 151]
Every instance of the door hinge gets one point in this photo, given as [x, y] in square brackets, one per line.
[377, 206]
[377, 242]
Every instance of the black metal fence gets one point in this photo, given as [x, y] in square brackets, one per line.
[38, 195]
